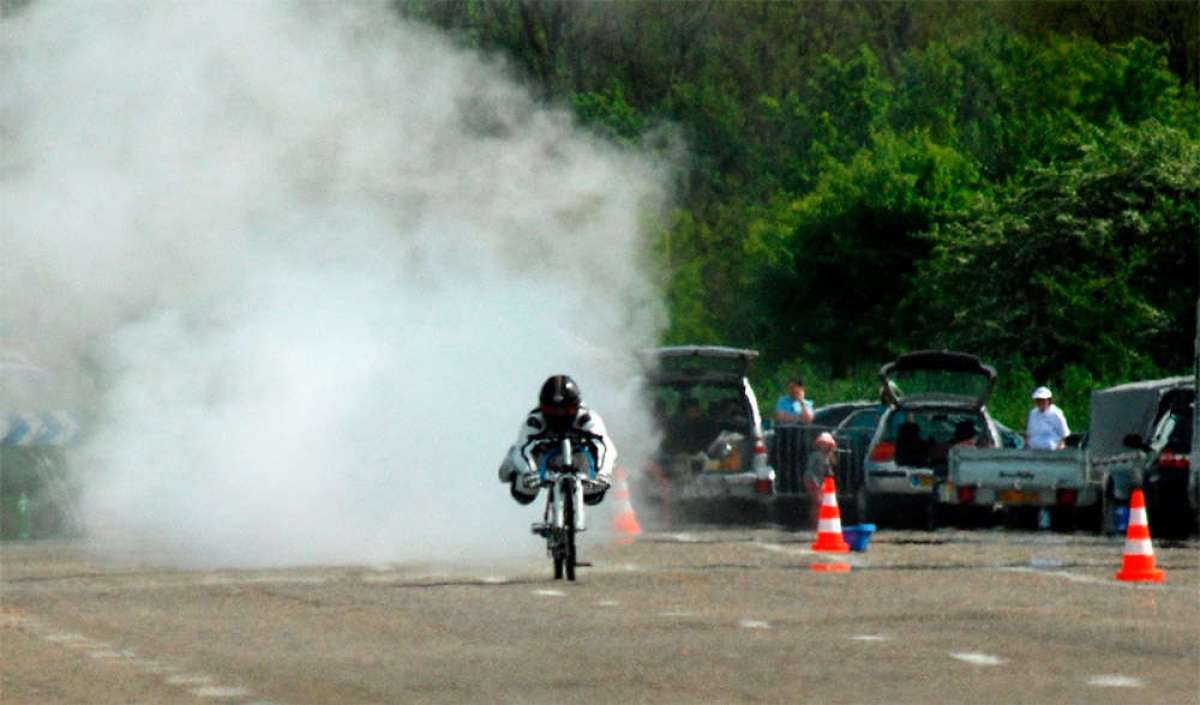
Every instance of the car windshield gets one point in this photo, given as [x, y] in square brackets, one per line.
[692, 415]
[938, 426]
[833, 414]
[864, 418]
[923, 438]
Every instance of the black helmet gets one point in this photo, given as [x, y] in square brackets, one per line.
[559, 401]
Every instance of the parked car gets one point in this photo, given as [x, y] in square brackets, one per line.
[852, 424]
[712, 445]
[1171, 470]
[934, 399]
[1141, 436]
[831, 416]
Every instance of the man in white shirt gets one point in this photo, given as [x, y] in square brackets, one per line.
[1046, 428]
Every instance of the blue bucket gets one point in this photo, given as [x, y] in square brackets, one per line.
[858, 536]
[1120, 517]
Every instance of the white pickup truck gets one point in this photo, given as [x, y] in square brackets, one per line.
[1057, 480]
[1140, 435]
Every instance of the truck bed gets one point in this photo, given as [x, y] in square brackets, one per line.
[1013, 476]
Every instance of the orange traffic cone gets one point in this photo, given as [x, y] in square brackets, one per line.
[829, 530]
[1138, 564]
[625, 522]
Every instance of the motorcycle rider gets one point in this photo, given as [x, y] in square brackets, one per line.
[560, 409]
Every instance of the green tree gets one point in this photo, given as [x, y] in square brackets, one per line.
[852, 245]
[1091, 260]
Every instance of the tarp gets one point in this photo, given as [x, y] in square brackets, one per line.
[1127, 408]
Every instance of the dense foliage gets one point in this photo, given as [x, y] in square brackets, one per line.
[1019, 180]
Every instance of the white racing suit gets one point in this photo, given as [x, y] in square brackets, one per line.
[536, 437]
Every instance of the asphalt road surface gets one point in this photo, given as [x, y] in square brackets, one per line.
[732, 615]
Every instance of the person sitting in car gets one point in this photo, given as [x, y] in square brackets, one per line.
[728, 413]
[690, 430]
[911, 449]
[964, 435]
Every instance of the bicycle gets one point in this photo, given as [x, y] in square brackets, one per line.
[564, 474]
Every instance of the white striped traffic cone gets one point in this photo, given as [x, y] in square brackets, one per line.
[829, 531]
[625, 522]
[1138, 563]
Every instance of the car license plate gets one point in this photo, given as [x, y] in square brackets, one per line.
[921, 480]
[1019, 497]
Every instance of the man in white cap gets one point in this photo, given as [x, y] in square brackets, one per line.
[1046, 428]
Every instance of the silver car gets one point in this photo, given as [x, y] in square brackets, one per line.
[712, 434]
[935, 399]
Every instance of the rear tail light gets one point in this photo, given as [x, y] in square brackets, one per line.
[1066, 498]
[1168, 459]
[885, 451]
[760, 448]
[966, 495]
[763, 485]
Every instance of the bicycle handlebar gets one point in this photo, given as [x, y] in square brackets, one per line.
[552, 476]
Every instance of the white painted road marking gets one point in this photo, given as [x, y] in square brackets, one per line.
[753, 624]
[550, 593]
[977, 659]
[1116, 681]
[200, 685]
[1092, 580]
[789, 550]
[217, 691]
[870, 637]
[189, 679]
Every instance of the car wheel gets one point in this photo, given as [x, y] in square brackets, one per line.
[1174, 519]
[1020, 518]
[1089, 517]
[929, 513]
[1063, 519]
[1107, 505]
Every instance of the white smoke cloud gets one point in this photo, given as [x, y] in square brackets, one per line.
[319, 262]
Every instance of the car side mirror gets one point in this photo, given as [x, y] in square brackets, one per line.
[1134, 440]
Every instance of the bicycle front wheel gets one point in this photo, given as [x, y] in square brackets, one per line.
[569, 534]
